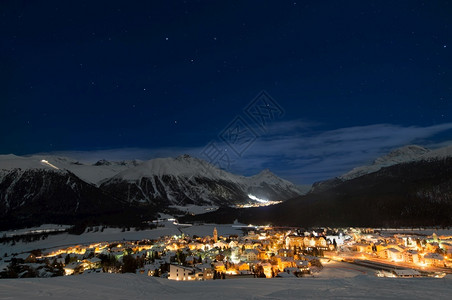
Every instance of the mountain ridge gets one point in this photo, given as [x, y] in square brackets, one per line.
[414, 192]
[61, 185]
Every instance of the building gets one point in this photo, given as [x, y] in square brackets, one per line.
[215, 235]
[411, 256]
[73, 268]
[285, 252]
[294, 241]
[184, 273]
[434, 259]
[181, 273]
[268, 270]
[406, 273]
[394, 254]
[250, 255]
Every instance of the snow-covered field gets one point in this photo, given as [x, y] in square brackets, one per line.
[131, 286]
[415, 231]
[39, 229]
[195, 209]
[114, 234]
[335, 280]
[334, 269]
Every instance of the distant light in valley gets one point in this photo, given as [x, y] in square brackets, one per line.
[252, 197]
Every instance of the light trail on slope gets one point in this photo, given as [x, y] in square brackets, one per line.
[49, 164]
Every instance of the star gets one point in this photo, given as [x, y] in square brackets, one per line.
[444, 46]
[166, 39]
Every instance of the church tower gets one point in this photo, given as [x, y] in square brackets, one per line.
[215, 235]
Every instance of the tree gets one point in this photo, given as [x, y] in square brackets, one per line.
[12, 270]
[259, 271]
[156, 273]
[109, 263]
[129, 264]
[57, 268]
[180, 256]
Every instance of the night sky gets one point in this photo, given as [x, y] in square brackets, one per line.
[346, 80]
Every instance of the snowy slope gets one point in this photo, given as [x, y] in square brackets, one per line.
[400, 155]
[189, 180]
[438, 153]
[66, 188]
[101, 170]
[11, 161]
[188, 167]
[183, 165]
[90, 173]
[134, 286]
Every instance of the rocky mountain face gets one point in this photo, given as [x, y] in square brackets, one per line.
[37, 189]
[416, 191]
[188, 180]
[36, 196]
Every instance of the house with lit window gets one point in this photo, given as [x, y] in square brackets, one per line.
[411, 256]
[285, 252]
[394, 254]
[182, 273]
[434, 259]
[249, 255]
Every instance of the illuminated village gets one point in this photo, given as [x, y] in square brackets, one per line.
[265, 252]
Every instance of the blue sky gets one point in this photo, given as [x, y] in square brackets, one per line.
[139, 80]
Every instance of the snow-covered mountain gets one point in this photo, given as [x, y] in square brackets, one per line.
[403, 155]
[33, 196]
[91, 173]
[399, 155]
[51, 188]
[189, 180]
[410, 186]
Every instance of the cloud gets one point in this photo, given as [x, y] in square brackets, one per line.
[296, 150]
[317, 155]
[118, 154]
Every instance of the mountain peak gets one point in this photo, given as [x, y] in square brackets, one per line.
[184, 156]
[266, 172]
[102, 162]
